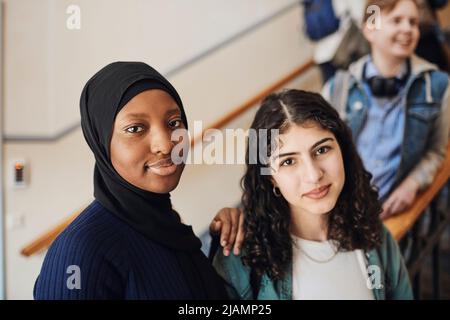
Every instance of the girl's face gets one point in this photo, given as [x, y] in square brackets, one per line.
[141, 141]
[399, 32]
[309, 169]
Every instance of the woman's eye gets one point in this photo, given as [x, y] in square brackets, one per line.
[287, 162]
[322, 150]
[134, 129]
[175, 123]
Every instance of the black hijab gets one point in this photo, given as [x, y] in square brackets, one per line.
[149, 213]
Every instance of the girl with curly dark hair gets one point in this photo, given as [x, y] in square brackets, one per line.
[312, 226]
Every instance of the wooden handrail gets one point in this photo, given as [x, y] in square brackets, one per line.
[48, 237]
[399, 224]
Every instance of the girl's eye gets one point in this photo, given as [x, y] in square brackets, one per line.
[175, 123]
[322, 150]
[287, 162]
[134, 129]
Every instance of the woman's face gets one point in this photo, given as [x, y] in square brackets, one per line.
[141, 141]
[399, 32]
[309, 169]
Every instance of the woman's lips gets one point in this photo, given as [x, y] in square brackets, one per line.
[163, 167]
[318, 193]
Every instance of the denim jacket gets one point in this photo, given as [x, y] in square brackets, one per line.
[426, 110]
[386, 272]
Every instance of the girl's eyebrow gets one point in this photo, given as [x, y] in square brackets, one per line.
[144, 115]
[286, 154]
[320, 142]
[173, 111]
[312, 147]
[135, 115]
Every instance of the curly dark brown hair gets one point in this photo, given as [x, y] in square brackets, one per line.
[354, 223]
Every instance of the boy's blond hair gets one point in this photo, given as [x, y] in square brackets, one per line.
[384, 5]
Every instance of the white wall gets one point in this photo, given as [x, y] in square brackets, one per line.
[2, 228]
[46, 66]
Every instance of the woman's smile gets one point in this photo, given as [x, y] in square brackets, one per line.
[164, 167]
[318, 193]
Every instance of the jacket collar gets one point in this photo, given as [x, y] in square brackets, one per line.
[419, 68]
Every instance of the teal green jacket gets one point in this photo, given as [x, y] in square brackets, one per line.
[388, 275]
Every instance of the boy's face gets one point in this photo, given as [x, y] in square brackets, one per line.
[399, 32]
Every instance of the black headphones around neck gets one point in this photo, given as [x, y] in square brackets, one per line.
[386, 87]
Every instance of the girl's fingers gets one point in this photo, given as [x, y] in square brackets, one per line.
[240, 234]
[215, 226]
[229, 222]
[234, 216]
[225, 230]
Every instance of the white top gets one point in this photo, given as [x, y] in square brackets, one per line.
[326, 48]
[338, 276]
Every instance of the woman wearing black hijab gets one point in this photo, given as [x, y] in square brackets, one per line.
[129, 243]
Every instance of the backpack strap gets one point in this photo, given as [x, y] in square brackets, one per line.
[339, 91]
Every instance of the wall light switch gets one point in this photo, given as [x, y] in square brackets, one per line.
[15, 221]
[20, 173]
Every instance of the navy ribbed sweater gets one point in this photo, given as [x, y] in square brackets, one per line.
[114, 260]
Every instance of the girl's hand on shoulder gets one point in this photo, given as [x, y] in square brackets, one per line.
[229, 222]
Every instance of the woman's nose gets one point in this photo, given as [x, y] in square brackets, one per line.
[312, 172]
[160, 141]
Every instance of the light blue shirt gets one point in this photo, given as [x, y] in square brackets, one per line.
[380, 140]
